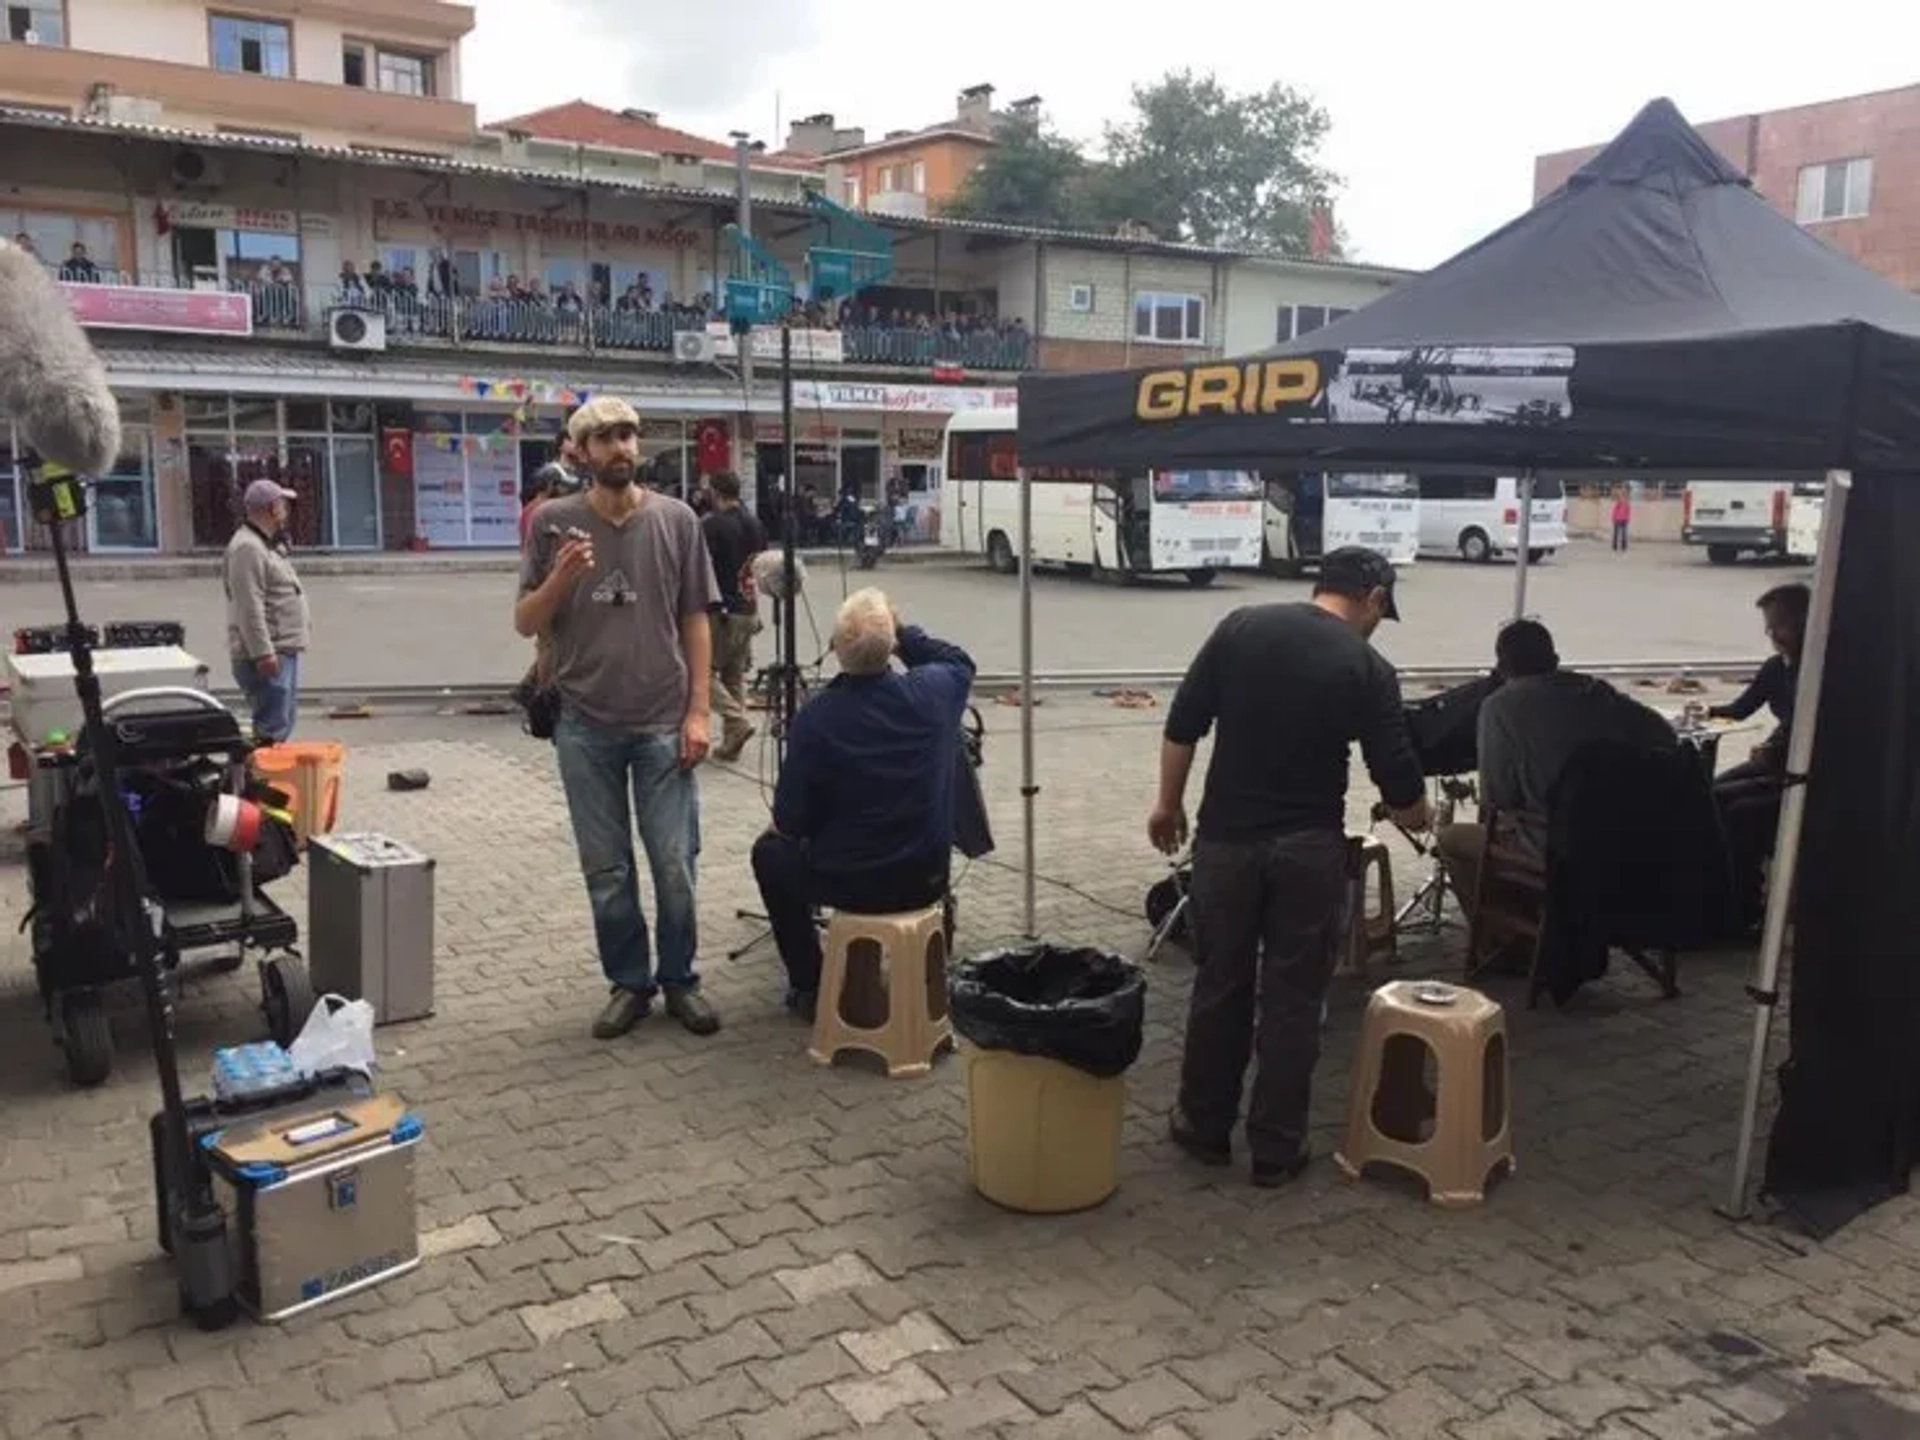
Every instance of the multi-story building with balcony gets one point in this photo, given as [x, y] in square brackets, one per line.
[398, 334]
[1848, 170]
[907, 172]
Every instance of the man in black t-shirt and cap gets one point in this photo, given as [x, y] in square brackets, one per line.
[1287, 689]
[734, 537]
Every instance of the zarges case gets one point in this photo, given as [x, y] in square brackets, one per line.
[370, 923]
[319, 1204]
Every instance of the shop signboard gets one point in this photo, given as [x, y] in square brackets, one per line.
[201, 215]
[179, 312]
[902, 399]
[810, 347]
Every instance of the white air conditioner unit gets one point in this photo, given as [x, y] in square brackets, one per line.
[32, 37]
[693, 347]
[361, 330]
[196, 168]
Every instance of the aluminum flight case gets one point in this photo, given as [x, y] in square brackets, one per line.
[370, 923]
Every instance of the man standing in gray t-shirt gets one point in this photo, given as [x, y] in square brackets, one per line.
[619, 579]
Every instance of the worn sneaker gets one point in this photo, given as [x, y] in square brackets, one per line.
[1206, 1150]
[624, 1010]
[1271, 1174]
[691, 1009]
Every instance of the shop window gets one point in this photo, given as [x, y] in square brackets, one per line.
[306, 415]
[252, 47]
[120, 514]
[253, 258]
[51, 236]
[12, 535]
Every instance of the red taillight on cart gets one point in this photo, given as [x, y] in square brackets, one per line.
[17, 767]
[1510, 516]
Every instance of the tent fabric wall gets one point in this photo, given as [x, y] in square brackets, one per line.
[1848, 1130]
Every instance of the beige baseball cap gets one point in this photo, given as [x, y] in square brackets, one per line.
[598, 415]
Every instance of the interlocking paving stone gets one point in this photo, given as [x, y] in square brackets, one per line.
[665, 1236]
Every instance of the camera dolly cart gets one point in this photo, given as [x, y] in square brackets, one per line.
[76, 957]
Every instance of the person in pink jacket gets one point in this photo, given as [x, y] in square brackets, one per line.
[1622, 518]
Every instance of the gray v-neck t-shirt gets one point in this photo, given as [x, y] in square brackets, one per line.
[617, 657]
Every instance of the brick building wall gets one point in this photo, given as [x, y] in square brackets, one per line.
[1773, 148]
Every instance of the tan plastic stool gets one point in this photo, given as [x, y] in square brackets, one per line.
[1369, 932]
[883, 989]
[1454, 1132]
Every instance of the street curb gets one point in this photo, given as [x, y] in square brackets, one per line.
[36, 571]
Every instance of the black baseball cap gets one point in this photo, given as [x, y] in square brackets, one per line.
[1354, 570]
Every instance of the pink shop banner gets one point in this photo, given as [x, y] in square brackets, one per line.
[138, 307]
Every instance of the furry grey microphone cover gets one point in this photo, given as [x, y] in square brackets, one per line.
[770, 576]
[51, 382]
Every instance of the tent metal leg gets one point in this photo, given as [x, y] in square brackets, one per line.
[1027, 789]
[1522, 552]
[1764, 984]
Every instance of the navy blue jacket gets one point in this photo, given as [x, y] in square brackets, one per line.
[868, 781]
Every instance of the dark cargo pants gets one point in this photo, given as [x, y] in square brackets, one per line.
[1266, 917]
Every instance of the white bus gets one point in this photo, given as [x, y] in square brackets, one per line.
[1191, 522]
[1310, 514]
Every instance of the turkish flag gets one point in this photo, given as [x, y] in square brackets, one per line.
[712, 447]
[396, 452]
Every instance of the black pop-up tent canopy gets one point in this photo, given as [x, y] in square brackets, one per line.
[1655, 316]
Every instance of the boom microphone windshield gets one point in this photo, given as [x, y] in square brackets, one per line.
[51, 382]
[770, 578]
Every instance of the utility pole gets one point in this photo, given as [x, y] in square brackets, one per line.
[746, 464]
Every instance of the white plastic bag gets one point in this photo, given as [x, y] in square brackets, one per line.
[338, 1035]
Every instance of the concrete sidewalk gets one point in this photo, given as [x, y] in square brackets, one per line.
[671, 1237]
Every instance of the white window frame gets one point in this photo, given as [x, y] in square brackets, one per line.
[46, 22]
[1810, 202]
[919, 177]
[852, 192]
[383, 57]
[262, 24]
[1287, 323]
[1155, 301]
[1080, 297]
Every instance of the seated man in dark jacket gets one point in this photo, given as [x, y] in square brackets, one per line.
[863, 813]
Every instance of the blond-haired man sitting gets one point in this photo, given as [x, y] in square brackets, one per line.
[863, 812]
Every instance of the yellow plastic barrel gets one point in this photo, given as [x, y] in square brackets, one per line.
[1042, 1137]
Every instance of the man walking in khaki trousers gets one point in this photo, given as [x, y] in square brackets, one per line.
[734, 537]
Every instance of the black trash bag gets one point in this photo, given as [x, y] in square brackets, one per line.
[1083, 1007]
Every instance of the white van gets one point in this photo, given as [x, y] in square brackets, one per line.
[1737, 517]
[1477, 517]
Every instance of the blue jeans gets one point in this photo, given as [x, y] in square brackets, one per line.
[272, 698]
[599, 769]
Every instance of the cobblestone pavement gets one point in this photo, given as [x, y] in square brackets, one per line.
[672, 1237]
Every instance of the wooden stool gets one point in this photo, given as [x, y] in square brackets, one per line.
[883, 989]
[1368, 932]
[1453, 1132]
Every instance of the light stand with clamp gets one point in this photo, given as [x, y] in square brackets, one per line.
[1432, 894]
[198, 1227]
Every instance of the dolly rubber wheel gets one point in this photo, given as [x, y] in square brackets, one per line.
[286, 996]
[85, 1036]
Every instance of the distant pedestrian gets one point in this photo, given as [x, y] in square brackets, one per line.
[1622, 519]
[734, 537]
[267, 620]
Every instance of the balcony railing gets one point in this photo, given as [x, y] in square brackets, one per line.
[440, 320]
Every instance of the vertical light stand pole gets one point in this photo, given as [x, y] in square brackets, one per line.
[1764, 986]
[1028, 790]
[743, 181]
[1522, 552]
[789, 660]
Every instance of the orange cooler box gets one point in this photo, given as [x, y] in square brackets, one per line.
[310, 772]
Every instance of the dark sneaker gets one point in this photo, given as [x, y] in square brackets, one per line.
[1207, 1151]
[1271, 1175]
[803, 1004]
[623, 1011]
[691, 1009]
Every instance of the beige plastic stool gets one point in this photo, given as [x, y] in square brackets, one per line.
[1454, 1132]
[883, 989]
[1369, 932]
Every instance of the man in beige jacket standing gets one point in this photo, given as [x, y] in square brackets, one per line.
[267, 621]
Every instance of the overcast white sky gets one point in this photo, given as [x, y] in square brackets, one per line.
[1438, 109]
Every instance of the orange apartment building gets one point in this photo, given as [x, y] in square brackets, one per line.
[1847, 169]
[910, 173]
